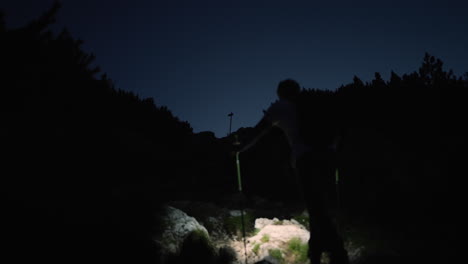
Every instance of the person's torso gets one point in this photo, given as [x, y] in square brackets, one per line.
[283, 114]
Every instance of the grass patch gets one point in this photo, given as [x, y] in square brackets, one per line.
[276, 253]
[256, 249]
[297, 250]
[265, 238]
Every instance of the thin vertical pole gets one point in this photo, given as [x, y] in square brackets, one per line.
[230, 122]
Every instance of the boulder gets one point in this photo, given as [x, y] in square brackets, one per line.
[274, 234]
[177, 226]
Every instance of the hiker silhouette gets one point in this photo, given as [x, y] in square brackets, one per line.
[307, 163]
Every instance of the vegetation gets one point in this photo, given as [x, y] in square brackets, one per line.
[256, 248]
[265, 238]
[233, 224]
[297, 250]
[91, 163]
[277, 254]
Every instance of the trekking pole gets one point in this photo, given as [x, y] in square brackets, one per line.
[338, 202]
[230, 122]
[239, 183]
[337, 182]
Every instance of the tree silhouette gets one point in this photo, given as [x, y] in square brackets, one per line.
[86, 165]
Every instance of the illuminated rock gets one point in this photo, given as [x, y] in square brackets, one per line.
[273, 235]
[262, 222]
[177, 225]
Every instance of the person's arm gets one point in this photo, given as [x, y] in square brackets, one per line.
[260, 129]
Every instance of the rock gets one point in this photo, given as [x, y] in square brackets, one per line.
[235, 213]
[177, 225]
[281, 234]
[294, 222]
[356, 254]
[262, 222]
[274, 234]
[207, 214]
[226, 255]
[270, 244]
[215, 227]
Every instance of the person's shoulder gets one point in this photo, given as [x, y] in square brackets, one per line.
[273, 106]
[275, 103]
[281, 105]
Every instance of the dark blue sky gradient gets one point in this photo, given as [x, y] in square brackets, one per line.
[205, 59]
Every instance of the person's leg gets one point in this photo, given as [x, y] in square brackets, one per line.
[314, 205]
[323, 235]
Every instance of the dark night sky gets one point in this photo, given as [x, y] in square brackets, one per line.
[203, 59]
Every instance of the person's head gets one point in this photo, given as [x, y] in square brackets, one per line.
[289, 90]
